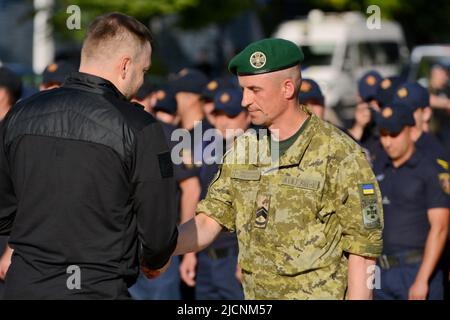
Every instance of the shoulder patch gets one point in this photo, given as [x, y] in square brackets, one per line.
[444, 179]
[369, 206]
[442, 163]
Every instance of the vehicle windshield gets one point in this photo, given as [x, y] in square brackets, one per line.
[318, 55]
[422, 69]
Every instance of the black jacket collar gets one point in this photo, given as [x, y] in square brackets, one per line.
[92, 83]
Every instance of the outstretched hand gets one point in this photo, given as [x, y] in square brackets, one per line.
[152, 273]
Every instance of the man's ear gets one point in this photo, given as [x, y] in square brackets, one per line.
[4, 96]
[125, 62]
[288, 89]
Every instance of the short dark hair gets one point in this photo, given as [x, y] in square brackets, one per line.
[12, 83]
[110, 25]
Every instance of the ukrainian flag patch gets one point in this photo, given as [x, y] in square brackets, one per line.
[368, 189]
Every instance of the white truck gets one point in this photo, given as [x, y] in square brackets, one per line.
[339, 48]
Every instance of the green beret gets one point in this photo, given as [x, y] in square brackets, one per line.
[265, 56]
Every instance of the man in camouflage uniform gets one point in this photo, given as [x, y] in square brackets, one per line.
[309, 220]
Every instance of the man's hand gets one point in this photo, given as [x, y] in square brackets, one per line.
[5, 262]
[418, 290]
[196, 234]
[187, 268]
[152, 274]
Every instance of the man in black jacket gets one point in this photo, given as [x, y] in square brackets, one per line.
[86, 187]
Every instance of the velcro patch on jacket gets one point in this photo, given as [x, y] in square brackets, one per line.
[165, 165]
[304, 183]
[262, 210]
[369, 206]
[246, 174]
[444, 179]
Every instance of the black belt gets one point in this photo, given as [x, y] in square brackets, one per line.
[392, 261]
[219, 253]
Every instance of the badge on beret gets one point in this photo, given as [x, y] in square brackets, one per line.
[305, 87]
[262, 211]
[225, 97]
[371, 80]
[444, 179]
[386, 83]
[52, 68]
[160, 95]
[387, 112]
[212, 85]
[402, 93]
[258, 60]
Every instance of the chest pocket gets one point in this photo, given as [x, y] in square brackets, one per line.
[246, 183]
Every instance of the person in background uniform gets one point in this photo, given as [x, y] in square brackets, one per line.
[363, 128]
[188, 85]
[55, 74]
[385, 92]
[416, 213]
[93, 189]
[215, 275]
[311, 96]
[208, 94]
[308, 219]
[440, 102]
[146, 96]
[167, 286]
[440, 126]
[417, 98]
[165, 107]
[10, 92]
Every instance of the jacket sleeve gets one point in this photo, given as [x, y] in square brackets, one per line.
[359, 207]
[154, 197]
[8, 201]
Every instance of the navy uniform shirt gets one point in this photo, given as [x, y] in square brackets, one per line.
[429, 144]
[408, 192]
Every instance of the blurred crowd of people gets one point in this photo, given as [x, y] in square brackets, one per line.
[404, 129]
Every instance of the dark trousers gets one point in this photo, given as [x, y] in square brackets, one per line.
[216, 278]
[396, 281]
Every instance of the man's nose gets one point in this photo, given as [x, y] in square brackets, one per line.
[246, 98]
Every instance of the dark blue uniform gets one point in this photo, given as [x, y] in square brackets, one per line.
[430, 145]
[408, 192]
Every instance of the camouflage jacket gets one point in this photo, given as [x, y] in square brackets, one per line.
[296, 219]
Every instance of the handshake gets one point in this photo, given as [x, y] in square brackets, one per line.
[152, 273]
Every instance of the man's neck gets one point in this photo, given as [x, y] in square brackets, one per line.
[402, 160]
[288, 124]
